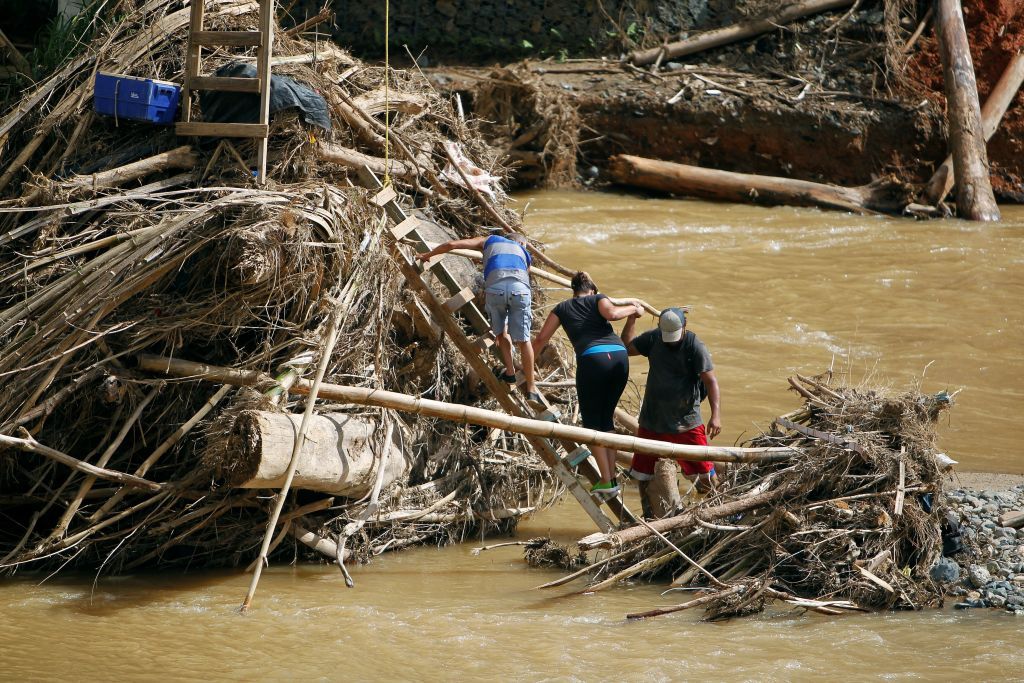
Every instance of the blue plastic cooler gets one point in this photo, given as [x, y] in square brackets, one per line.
[136, 99]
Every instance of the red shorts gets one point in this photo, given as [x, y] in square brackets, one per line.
[643, 464]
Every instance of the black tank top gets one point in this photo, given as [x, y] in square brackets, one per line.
[584, 323]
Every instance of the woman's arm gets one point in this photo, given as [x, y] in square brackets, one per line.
[611, 312]
[550, 325]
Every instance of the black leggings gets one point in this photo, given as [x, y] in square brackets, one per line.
[600, 380]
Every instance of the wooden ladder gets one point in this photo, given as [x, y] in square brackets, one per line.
[572, 456]
[263, 40]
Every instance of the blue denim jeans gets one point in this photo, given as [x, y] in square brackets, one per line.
[509, 305]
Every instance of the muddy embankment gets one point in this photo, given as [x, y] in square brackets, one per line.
[841, 97]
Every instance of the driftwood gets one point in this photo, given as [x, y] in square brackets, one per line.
[737, 32]
[687, 519]
[471, 415]
[357, 160]
[881, 196]
[179, 158]
[991, 116]
[974, 198]
[338, 455]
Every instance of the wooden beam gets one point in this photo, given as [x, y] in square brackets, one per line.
[210, 129]
[227, 38]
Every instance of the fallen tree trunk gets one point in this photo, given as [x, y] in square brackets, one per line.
[881, 196]
[337, 455]
[737, 32]
[974, 198]
[469, 414]
[991, 116]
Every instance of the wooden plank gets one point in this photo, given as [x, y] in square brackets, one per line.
[578, 455]
[386, 195]
[464, 296]
[192, 60]
[901, 487]
[405, 227]
[227, 38]
[221, 130]
[224, 84]
[484, 342]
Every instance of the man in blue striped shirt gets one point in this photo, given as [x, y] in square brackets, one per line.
[509, 298]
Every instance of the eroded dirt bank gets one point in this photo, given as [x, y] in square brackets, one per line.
[843, 97]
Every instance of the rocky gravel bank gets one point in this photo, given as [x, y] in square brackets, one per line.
[989, 569]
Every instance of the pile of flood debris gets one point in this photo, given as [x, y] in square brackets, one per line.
[118, 239]
[853, 523]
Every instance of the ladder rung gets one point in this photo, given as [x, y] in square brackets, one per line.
[464, 296]
[227, 38]
[405, 227]
[221, 130]
[224, 83]
[578, 455]
[384, 196]
[484, 342]
[551, 414]
[433, 261]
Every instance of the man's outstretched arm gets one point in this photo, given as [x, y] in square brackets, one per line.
[476, 243]
[629, 334]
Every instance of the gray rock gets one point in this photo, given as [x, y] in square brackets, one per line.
[978, 575]
[673, 66]
[987, 495]
[972, 500]
[1015, 600]
[967, 604]
[991, 508]
[945, 571]
[997, 601]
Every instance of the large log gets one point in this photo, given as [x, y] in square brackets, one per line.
[881, 196]
[991, 116]
[339, 454]
[974, 198]
[470, 414]
[737, 32]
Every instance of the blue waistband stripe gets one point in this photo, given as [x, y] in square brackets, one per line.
[604, 348]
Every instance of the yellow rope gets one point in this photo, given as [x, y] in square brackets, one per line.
[387, 94]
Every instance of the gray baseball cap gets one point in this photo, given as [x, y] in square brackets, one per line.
[671, 324]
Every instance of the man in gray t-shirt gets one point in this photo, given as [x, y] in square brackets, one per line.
[680, 368]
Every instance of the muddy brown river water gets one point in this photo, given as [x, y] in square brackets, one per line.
[774, 291]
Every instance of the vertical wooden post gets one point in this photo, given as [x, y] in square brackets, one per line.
[974, 198]
[263, 74]
[192, 58]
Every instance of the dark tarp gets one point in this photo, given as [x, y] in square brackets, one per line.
[244, 107]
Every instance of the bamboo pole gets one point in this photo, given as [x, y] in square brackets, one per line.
[991, 116]
[974, 198]
[737, 32]
[472, 415]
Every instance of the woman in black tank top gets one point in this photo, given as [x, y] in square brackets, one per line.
[602, 364]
